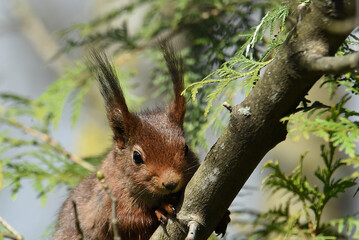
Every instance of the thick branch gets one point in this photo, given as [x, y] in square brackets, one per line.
[335, 65]
[254, 126]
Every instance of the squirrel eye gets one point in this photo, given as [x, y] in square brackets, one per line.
[137, 158]
[186, 150]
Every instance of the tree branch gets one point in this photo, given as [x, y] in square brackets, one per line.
[335, 65]
[49, 140]
[15, 236]
[254, 127]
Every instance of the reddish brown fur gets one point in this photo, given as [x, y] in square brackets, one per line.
[139, 188]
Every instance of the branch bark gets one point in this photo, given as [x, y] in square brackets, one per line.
[254, 127]
[335, 65]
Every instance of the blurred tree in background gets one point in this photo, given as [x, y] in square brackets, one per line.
[225, 45]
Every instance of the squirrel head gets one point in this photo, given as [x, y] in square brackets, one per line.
[149, 147]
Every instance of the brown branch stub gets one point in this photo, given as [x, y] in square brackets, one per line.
[193, 227]
[114, 221]
[228, 106]
[301, 10]
[15, 234]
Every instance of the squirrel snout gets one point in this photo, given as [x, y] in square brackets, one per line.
[170, 185]
[170, 180]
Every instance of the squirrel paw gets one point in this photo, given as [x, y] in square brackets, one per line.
[165, 209]
[169, 208]
[222, 225]
[161, 216]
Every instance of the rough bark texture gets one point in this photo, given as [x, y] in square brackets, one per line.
[254, 126]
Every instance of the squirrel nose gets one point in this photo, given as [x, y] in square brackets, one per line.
[170, 185]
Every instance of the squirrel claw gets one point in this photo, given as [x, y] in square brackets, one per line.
[163, 220]
[173, 211]
[169, 209]
[161, 217]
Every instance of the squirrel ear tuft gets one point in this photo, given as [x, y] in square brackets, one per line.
[175, 66]
[121, 120]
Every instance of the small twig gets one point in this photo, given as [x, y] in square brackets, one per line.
[80, 235]
[192, 231]
[4, 235]
[49, 140]
[114, 220]
[228, 106]
[16, 236]
[301, 9]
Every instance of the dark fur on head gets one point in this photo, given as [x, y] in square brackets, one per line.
[175, 67]
[149, 165]
[120, 119]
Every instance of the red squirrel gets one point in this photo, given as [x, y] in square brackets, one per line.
[148, 167]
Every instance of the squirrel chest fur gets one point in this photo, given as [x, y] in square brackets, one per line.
[146, 171]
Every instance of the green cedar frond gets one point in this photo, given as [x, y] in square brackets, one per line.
[248, 71]
[246, 67]
[277, 15]
[348, 225]
[342, 133]
[331, 124]
[311, 198]
[294, 183]
[51, 103]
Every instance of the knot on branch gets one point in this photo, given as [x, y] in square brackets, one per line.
[245, 111]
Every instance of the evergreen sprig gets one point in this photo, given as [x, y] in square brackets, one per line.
[348, 225]
[248, 70]
[275, 17]
[242, 66]
[75, 82]
[312, 199]
[330, 123]
[35, 156]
